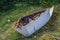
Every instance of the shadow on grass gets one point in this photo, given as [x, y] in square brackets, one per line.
[10, 4]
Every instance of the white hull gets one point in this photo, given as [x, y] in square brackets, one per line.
[37, 24]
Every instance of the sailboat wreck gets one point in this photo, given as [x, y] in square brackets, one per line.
[33, 22]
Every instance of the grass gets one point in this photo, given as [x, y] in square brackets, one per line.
[8, 32]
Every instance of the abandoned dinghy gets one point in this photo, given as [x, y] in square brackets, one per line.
[31, 23]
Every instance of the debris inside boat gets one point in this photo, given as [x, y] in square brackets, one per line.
[28, 19]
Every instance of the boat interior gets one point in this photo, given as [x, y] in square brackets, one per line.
[27, 19]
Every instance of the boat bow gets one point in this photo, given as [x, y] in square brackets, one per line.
[51, 10]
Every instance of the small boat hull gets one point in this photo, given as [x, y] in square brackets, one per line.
[37, 24]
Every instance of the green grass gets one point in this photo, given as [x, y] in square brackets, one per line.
[8, 32]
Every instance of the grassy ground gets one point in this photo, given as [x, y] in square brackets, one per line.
[48, 32]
